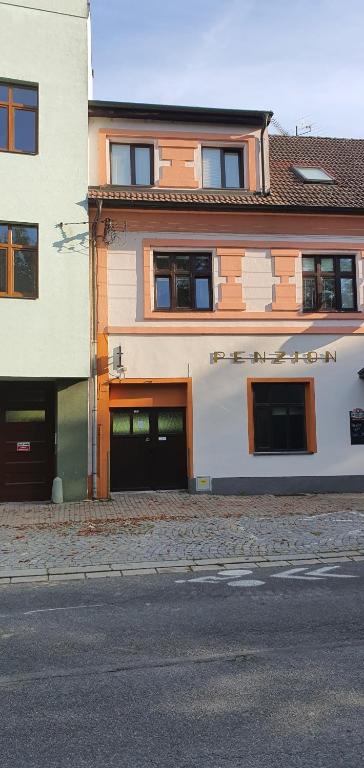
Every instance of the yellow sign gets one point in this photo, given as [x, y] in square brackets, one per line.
[275, 358]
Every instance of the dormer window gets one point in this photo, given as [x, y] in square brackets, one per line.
[132, 165]
[222, 168]
[313, 175]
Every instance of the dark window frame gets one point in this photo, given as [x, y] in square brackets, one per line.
[10, 249]
[337, 274]
[173, 272]
[132, 148]
[268, 407]
[11, 106]
[227, 151]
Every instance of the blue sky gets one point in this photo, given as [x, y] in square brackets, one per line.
[304, 59]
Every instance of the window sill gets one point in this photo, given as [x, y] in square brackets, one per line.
[331, 311]
[24, 298]
[18, 152]
[283, 453]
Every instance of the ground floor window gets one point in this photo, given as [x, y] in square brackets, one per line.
[281, 416]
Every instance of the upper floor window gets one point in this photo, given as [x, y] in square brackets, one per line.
[222, 168]
[18, 118]
[329, 283]
[132, 164]
[183, 281]
[18, 261]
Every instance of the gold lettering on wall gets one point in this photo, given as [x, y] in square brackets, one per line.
[275, 358]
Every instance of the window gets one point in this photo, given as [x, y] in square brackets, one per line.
[132, 164]
[18, 261]
[222, 168]
[279, 413]
[182, 281]
[313, 175]
[18, 118]
[329, 284]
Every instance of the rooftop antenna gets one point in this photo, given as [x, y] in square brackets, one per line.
[303, 128]
[282, 131]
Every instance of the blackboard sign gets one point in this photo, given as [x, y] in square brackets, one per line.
[357, 426]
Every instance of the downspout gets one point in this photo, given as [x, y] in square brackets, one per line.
[262, 159]
[94, 347]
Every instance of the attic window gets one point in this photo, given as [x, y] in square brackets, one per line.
[313, 175]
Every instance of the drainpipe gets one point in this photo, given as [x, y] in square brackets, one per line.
[263, 129]
[94, 347]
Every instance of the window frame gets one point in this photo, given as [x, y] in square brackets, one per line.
[173, 273]
[10, 249]
[132, 148]
[226, 151]
[337, 274]
[310, 415]
[11, 106]
[300, 169]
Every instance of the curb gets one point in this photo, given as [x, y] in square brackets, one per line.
[82, 573]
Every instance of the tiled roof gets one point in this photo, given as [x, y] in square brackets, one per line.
[341, 158]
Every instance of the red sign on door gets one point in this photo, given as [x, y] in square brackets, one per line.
[23, 447]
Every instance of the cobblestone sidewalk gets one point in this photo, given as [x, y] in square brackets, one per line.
[160, 527]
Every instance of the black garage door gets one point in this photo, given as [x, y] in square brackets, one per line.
[148, 449]
[26, 441]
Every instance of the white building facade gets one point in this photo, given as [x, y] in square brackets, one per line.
[44, 252]
[230, 303]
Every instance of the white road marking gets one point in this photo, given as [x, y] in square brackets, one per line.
[292, 574]
[66, 608]
[234, 572]
[316, 575]
[201, 579]
[245, 583]
[335, 575]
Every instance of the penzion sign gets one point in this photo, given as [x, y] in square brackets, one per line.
[275, 358]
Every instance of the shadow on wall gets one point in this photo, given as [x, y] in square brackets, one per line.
[71, 240]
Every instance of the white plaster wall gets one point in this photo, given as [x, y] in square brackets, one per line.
[220, 441]
[49, 336]
[65, 7]
[125, 275]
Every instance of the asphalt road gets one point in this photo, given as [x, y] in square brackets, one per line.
[169, 672]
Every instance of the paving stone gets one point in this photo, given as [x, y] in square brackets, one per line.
[77, 569]
[67, 576]
[207, 561]
[149, 564]
[205, 567]
[273, 564]
[240, 559]
[358, 557]
[174, 570]
[139, 572]
[4, 581]
[333, 560]
[175, 530]
[242, 565]
[22, 572]
[314, 561]
[26, 579]
[329, 554]
[101, 574]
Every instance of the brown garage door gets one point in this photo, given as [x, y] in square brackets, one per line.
[26, 441]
